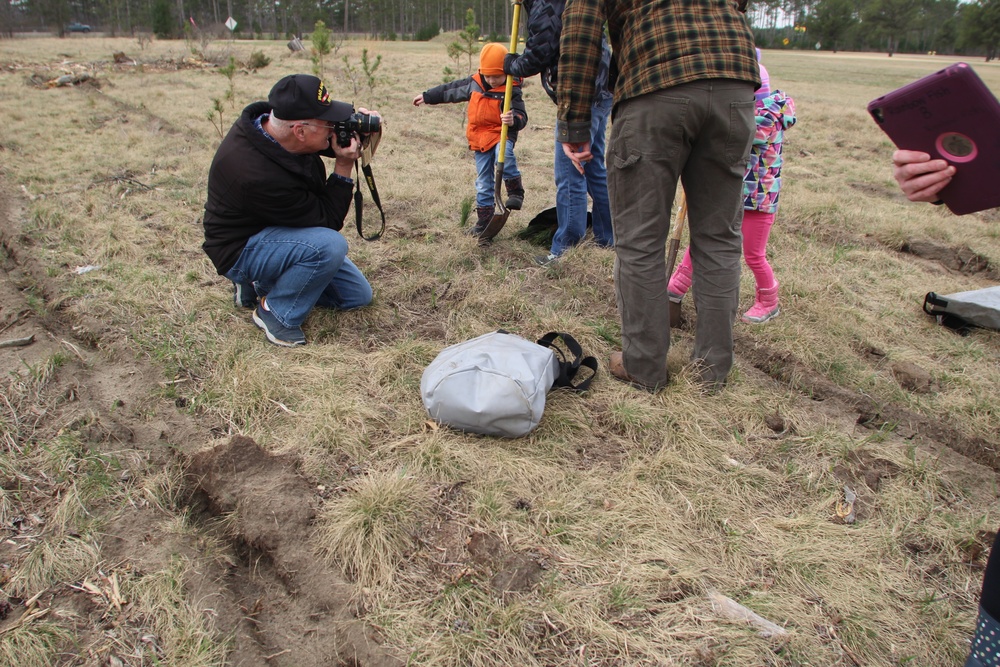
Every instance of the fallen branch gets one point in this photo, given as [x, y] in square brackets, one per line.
[24, 620]
[18, 342]
[69, 80]
[734, 611]
[122, 178]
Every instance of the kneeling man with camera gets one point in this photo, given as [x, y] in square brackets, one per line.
[273, 216]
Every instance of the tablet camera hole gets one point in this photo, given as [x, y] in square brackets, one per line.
[957, 147]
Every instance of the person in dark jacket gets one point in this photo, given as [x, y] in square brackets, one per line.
[273, 216]
[921, 178]
[484, 91]
[541, 56]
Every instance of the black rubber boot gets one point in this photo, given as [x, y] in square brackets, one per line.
[484, 214]
[515, 193]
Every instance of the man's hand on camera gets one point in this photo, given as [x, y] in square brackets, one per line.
[346, 156]
[371, 113]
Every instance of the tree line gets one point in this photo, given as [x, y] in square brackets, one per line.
[908, 26]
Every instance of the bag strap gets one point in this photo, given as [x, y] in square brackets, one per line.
[933, 299]
[957, 324]
[569, 367]
[358, 200]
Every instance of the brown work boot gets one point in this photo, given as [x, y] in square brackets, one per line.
[484, 214]
[616, 365]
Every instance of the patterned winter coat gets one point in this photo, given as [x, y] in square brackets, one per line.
[762, 182]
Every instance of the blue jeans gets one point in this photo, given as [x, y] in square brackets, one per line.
[298, 268]
[486, 163]
[572, 188]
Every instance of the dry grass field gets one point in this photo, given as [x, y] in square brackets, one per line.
[176, 491]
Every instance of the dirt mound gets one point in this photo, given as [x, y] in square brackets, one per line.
[270, 594]
[446, 37]
[872, 414]
[962, 259]
[298, 611]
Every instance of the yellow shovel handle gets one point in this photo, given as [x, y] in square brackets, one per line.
[509, 90]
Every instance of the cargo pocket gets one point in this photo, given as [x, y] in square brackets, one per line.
[741, 131]
[622, 146]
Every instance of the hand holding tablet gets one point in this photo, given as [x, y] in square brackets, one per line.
[949, 115]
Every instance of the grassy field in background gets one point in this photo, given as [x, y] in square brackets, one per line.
[600, 539]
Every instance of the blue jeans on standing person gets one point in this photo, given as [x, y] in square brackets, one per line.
[298, 268]
[486, 166]
[572, 187]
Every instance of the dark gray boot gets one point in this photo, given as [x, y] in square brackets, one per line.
[484, 214]
[515, 193]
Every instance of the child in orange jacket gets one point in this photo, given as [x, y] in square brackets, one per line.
[484, 91]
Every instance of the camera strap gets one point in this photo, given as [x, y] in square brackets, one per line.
[359, 200]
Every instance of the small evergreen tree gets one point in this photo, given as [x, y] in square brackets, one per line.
[229, 71]
[162, 18]
[427, 33]
[370, 67]
[321, 47]
[257, 61]
[468, 40]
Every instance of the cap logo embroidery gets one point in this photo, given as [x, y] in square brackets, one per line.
[322, 95]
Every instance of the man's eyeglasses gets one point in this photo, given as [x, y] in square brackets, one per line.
[325, 126]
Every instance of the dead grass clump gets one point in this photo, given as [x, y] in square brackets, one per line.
[632, 419]
[339, 424]
[182, 632]
[164, 487]
[396, 369]
[440, 454]
[70, 513]
[32, 643]
[369, 530]
[53, 561]
[7, 506]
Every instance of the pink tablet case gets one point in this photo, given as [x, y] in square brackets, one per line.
[950, 114]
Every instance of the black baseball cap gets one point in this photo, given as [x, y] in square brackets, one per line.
[303, 96]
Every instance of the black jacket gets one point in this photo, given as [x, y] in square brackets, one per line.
[541, 48]
[254, 183]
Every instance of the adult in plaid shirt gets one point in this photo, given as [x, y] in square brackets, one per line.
[684, 75]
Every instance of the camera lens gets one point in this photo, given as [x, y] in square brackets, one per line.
[366, 123]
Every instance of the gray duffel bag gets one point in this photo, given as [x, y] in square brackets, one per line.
[980, 308]
[496, 384]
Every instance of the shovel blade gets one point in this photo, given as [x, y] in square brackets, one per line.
[494, 227]
[675, 314]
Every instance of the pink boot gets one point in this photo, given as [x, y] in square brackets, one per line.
[765, 307]
[680, 282]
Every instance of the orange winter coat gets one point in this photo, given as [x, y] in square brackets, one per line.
[485, 105]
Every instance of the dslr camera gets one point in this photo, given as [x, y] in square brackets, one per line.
[358, 123]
